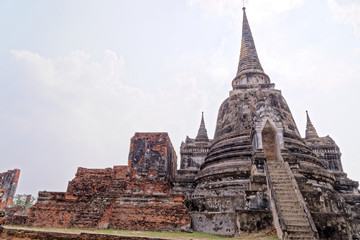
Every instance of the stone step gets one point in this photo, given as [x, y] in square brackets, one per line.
[290, 214]
[308, 234]
[275, 162]
[287, 199]
[285, 208]
[281, 189]
[301, 237]
[286, 195]
[290, 200]
[298, 213]
[277, 170]
[304, 227]
[296, 218]
[289, 206]
[287, 203]
[284, 188]
[275, 166]
[281, 181]
[284, 184]
[275, 173]
[280, 178]
[300, 222]
[292, 211]
[293, 214]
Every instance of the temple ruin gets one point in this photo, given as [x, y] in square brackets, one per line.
[259, 172]
[255, 173]
[8, 183]
[134, 197]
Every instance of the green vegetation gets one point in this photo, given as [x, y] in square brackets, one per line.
[262, 235]
[20, 199]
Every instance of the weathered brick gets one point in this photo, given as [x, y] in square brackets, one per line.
[135, 197]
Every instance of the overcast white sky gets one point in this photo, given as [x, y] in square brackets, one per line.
[79, 78]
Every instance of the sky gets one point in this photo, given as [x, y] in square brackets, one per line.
[79, 78]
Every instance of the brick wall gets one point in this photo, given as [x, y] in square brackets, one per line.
[136, 197]
[8, 183]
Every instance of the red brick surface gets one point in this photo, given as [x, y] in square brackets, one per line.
[8, 183]
[135, 197]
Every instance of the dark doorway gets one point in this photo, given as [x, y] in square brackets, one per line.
[270, 143]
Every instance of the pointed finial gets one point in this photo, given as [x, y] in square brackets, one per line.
[202, 133]
[243, 5]
[249, 70]
[307, 117]
[310, 129]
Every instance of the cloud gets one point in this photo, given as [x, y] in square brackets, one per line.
[346, 13]
[79, 88]
[78, 111]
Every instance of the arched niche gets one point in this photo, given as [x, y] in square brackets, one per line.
[268, 138]
[270, 142]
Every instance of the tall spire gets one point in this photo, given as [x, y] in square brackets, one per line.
[310, 129]
[249, 70]
[202, 133]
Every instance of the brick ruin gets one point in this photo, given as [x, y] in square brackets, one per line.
[134, 197]
[256, 172]
[8, 183]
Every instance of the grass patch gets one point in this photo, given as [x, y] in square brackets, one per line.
[267, 234]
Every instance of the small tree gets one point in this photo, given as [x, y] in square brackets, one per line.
[20, 199]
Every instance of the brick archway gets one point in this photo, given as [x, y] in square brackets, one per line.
[270, 142]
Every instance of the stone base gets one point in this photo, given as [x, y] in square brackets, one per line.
[232, 223]
[253, 220]
[216, 223]
[331, 226]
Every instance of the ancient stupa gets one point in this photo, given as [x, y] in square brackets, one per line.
[258, 171]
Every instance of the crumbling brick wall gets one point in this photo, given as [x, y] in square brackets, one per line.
[136, 197]
[90, 181]
[8, 183]
[152, 156]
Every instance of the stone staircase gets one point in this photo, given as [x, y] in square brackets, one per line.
[92, 213]
[295, 220]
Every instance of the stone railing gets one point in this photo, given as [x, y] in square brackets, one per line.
[278, 214]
